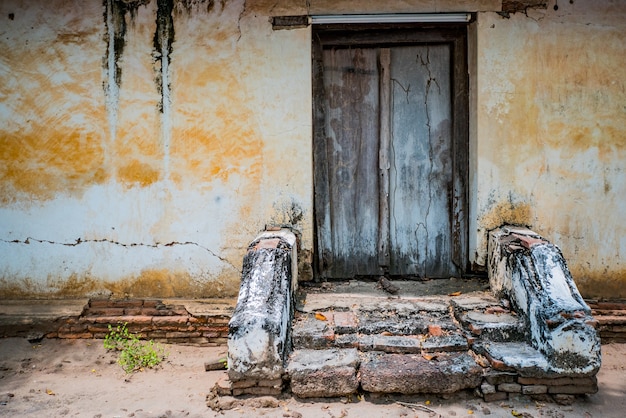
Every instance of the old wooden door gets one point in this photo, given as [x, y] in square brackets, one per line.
[390, 155]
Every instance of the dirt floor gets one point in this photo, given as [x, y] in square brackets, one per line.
[79, 378]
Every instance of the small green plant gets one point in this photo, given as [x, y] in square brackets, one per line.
[134, 354]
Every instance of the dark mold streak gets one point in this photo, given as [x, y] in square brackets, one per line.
[116, 10]
[163, 40]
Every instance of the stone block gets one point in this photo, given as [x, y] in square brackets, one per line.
[378, 322]
[310, 332]
[486, 388]
[323, 373]
[493, 327]
[390, 343]
[346, 341]
[411, 374]
[515, 356]
[445, 343]
[510, 387]
[534, 389]
[496, 378]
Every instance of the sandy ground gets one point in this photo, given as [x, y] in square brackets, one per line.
[64, 378]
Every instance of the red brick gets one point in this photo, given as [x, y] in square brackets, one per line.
[138, 319]
[179, 310]
[133, 311]
[99, 303]
[201, 341]
[435, 330]
[106, 312]
[75, 336]
[150, 312]
[175, 334]
[243, 384]
[132, 303]
[151, 303]
[78, 328]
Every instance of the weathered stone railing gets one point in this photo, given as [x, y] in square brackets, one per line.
[258, 339]
[532, 273]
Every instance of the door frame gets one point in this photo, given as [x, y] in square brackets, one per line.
[380, 35]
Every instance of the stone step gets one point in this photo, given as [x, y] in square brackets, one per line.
[412, 374]
[400, 335]
[340, 372]
[323, 373]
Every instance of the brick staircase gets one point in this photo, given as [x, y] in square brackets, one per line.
[344, 343]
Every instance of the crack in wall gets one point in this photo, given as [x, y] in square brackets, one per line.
[241, 14]
[80, 241]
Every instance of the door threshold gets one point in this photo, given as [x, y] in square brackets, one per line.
[405, 288]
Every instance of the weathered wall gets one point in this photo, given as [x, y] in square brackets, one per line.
[144, 143]
[550, 134]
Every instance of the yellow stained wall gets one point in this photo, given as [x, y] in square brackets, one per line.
[550, 137]
[153, 183]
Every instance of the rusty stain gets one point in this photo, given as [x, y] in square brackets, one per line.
[136, 172]
[46, 160]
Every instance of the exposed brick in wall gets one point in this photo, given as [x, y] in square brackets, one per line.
[149, 319]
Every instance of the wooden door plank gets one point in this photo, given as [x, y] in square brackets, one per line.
[460, 106]
[421, 172]
[383, 157]
[324, 255]
[351, 126]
